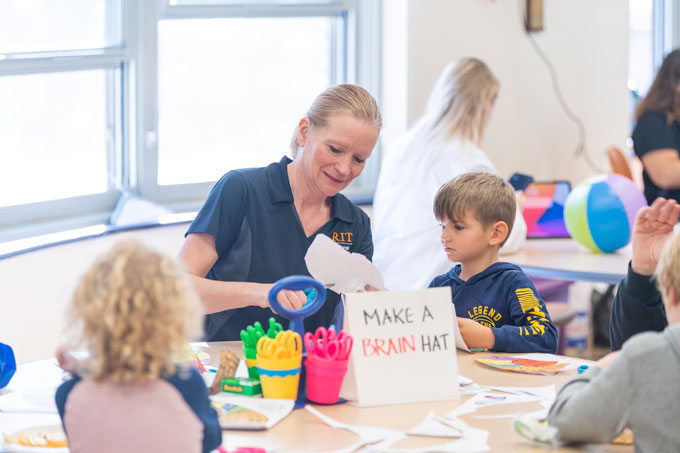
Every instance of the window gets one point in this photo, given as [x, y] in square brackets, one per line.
[654, 32]
[641, 62]
[61, 76]
[161, 97]
[234, 79]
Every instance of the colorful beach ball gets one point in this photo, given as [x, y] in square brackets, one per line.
[600, 212]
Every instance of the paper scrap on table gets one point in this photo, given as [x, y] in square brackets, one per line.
[367, 434]
[471, 440]
[546, 392]
[340, 270]
[486, 399]
[436, 426]
[380, 440]
[463, 380]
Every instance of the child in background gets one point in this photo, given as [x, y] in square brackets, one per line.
[133, 312]
[637, 387]
[497, 306]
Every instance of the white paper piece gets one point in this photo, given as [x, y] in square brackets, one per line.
[473, 440]
[546, 392]
[241, 369]
[472, 389]
[367, 434]
[489, 417]
[380, 440]
[462, 380]
[340, 270]
[274, 409]
[436, 426]
[546, 395]
[460, 343]
[486, 399]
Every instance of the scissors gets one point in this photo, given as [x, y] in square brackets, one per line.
[255, 332]
[318, 341]
[333, 336]
[268, 348]
[297, 283]
[290, 341]
[274, 328]
[296, 317]
[247, 341]
[326, 345]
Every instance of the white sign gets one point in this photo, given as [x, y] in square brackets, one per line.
[404, 347]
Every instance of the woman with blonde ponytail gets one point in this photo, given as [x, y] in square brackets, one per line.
[257, 223]
[444, 143]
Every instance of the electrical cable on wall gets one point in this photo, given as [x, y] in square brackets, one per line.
[581, 146]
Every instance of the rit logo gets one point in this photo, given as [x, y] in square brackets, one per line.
[342, 237]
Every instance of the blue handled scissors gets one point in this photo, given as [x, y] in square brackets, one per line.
[297, 283]
[296, 317]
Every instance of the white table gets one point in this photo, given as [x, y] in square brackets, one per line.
[565, 259]
[303, 432]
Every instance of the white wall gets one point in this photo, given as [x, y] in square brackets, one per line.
[37, 286]
[586, 40]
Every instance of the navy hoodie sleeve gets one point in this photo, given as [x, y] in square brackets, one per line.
[533, 330]
[195, 393]
[637, 308]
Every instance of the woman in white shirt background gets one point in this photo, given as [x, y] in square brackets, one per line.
[444, 142]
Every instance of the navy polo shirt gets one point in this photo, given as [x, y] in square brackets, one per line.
[259, 238]
[652, 132]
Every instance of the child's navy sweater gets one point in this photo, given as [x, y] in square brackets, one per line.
[503, 298]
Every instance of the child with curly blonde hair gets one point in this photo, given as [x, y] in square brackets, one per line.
[133, 313]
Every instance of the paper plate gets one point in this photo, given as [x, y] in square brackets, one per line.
[35, 434]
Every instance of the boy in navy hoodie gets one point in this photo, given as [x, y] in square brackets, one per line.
[498, 307]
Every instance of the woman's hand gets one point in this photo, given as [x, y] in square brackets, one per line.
[653, 226]
[292, 300]
[476, 335]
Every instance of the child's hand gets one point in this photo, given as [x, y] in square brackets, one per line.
[65, 360]
[605, 361]
[476, 335]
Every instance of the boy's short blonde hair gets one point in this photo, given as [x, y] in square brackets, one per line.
[133, 311]
[667, 272]
[489, 198]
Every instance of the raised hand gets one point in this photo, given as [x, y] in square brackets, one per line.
[653, 226]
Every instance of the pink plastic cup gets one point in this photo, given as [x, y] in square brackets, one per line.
[324, 379]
